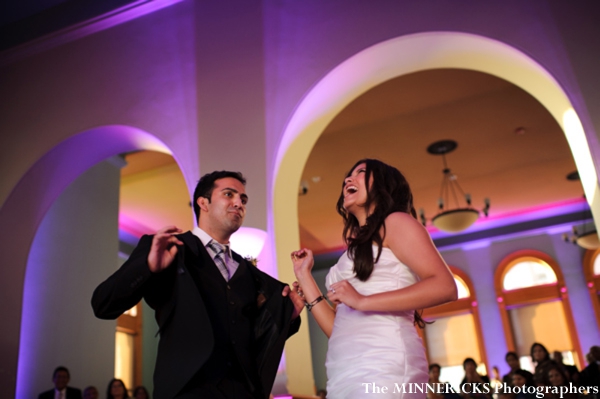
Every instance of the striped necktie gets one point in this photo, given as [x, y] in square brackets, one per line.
[220, 258]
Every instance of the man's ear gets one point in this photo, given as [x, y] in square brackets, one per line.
[203, 203]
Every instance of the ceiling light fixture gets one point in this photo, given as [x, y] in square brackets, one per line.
[448, 219]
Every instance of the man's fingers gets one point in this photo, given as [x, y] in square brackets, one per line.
[286, 291]
[169, 230]
[166, 239]
[173, 250]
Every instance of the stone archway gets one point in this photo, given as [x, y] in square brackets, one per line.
[375, 65]
[26, 206]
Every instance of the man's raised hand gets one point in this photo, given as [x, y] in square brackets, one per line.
[164, 248]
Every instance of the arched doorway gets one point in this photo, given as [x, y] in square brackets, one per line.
[373, 66]
[27, 205]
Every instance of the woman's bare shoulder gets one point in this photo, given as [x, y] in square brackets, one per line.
[402, 220]
[401, 224]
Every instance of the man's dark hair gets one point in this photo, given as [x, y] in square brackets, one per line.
[206, 184]
[469, 360]
[434, 365]
[509, 354]
[61, 368]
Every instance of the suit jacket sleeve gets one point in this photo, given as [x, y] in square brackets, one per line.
[133, 281]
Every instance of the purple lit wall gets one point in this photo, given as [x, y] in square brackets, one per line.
[480, 262]
[75, 248]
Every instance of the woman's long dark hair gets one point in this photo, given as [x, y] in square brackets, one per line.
[389, 192]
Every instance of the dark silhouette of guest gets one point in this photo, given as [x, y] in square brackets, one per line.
[434, 379]
[116, 389]
[61, 378]
[572, 371]
[543, 363]
[523, 379]
[512, 359]
[90, 392]
[558, 378]
[473, 377]
[141, 392]
[590, 376]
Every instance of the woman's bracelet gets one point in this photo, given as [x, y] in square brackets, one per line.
[309, 306]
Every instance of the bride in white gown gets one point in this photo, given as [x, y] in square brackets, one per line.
[391, 268]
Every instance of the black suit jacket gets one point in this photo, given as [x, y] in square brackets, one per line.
[186, 337]
[72, 393]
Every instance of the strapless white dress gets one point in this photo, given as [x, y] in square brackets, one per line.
[380, 348]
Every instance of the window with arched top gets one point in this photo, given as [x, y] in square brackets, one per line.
[534, 304]
[456, 332]
[591, 271]
[528, 272]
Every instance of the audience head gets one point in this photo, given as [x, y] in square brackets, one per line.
[521, 377]
[557, 376]
[539, 353]
[512, 359]
[140, 393]
[434, 372]
[61, 377]
[595, 352]
[469, 365]
[90, 393]
[116, 389]
[557, 357]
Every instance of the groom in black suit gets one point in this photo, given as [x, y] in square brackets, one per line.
[222, 322]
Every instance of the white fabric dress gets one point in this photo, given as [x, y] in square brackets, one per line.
[374, 347]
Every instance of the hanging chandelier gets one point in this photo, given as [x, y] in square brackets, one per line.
[452, 220]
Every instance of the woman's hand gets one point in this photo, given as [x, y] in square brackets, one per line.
[344, 292]
[303, 261]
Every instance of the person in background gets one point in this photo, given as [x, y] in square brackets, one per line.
[590, 376]
[541, 357]
[559, 378]
[61, 378]
[523, 379]
[90, 392]
[512, 359]
[572, 371]
[116, 389]
[473, 377]
[434, 379]
[141, 392]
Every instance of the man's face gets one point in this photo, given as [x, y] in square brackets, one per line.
[90, 393]
[557, 357]
[538, 354]
[61, 379]
[227, 207]
[513, 362]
